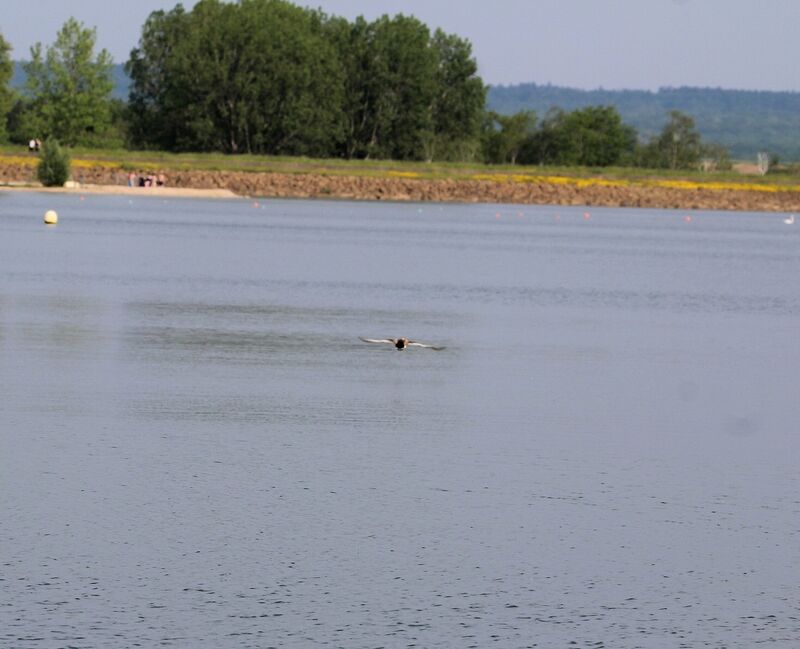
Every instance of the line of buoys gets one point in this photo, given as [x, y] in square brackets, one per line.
[50, 217]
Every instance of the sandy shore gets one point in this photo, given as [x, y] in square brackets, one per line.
[165, 192]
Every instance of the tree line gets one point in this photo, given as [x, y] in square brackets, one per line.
[269, 77]
[744, 121]
[596, 136]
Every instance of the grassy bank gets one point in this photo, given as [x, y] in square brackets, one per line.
[124, 161]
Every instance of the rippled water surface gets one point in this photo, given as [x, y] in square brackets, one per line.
[196, 450]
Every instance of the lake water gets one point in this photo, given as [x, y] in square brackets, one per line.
[196, 449]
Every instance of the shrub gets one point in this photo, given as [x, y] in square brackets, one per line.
[53, 170]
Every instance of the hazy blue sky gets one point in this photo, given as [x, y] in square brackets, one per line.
[645, 44]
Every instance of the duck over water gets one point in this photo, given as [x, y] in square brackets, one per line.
[401, 343]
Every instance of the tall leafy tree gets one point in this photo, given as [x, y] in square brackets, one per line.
[69, 87]
[293, 79]
[408, 94]
[6, 94]
[459, 101]
[155, 102]
[256, 76]
[596, 137]
[400, 85]
[266, 76]
[504, 135]
[545, 144]
[352, 42]
[679, 142]
[678, 146]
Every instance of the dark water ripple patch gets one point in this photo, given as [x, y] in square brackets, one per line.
[672, 301]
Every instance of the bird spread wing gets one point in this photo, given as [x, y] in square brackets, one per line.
[414, 343]
[378, 340]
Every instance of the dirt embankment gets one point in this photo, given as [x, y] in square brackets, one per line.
[621, 194]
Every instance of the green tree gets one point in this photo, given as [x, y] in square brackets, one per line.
[155, 104]
[292, 79]
[679, 146]
[399, 88]
[545, 145]
[266, 76]
[352, 43]
[716, 157]
[459, 101]
[504, 135]
[69, 88]
[6, 94]
[257, 76]
[54, 164]
[408, 94]
[679, 142]
[594, 136]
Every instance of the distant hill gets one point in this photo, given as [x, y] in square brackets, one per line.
[122, 81]
[744, 121]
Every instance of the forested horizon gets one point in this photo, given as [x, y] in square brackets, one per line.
[269, 77]
[744, 121]
[721, 115]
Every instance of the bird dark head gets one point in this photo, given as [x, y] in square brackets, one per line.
[401, 343]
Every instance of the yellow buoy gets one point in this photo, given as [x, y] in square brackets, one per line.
[50, 217]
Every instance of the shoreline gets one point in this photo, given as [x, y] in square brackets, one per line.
[124, 190]
[521, 189]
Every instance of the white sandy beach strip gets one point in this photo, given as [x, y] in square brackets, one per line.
[166, 192]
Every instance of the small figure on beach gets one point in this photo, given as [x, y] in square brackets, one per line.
[401, 343]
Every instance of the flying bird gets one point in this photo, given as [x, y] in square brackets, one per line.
[401, 343]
